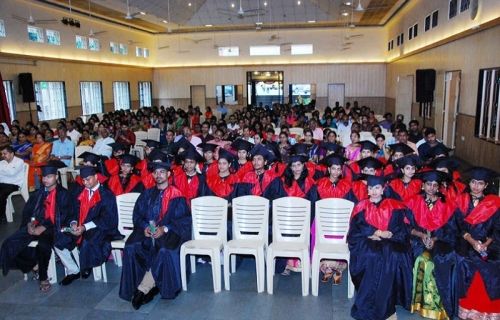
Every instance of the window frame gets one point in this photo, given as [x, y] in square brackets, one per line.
[428, 22]
[64, 99]
[3, 31]
[464, 8]
[114, 96]
[58, 37]
[40, 34]
[449, 9]
[11, 98]
[434, 19]
[81, 97]
[484, 93]
[141, 95]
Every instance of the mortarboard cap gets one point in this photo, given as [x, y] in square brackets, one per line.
[51, 167]
[86, 171]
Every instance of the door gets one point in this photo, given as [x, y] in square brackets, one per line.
[450, 110]
[404, 97]
[336, 93]
[198, 96]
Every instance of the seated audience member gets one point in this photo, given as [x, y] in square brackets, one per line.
[97, 222]
[46, 212]
[101, 146]
[11, 177]
[414, 134]
[62, 148]
[126, 180]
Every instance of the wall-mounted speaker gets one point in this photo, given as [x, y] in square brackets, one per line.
[26, 87]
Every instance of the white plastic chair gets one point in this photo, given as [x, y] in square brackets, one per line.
[23, 191]
[138, 149]
[154, 134]
[78, 152]
[125, 204]
[291, 237]
[366, 135]
[297, 131]
[250, 236]
[210, 234]
[52, 270]
[332, 219]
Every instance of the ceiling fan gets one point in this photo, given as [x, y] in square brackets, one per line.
[196, 41]
[93, 33]
[242, 13]
[32, 21]
[130, 16]
[350, 36]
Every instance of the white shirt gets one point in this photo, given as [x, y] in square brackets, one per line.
[75, 136]
[101, 147]
[13, 172]
[233, 127]
[195, 140]
[91, 224]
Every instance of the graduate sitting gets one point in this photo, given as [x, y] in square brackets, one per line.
[44, 214]
[151, 261]
[126, 181]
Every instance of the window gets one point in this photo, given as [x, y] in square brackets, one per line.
[11, 102]
[121, 95]
[91, 95]
[2, 29]
[114, 48]
[145, 93]
[398, 41]
[146, 53]
[427, 23]
[53, 37]
[464, 5]
[389, 46]
[51, 100]
[415, 30]
[123, 49]
[488, 111]
[402, 35]
[94, 44]
[81, 42]
[229, 51]
[392, 44]
[435, 16]
[297, 49]
[139, 52]
[35, 34]
[226, 93]
[452, 8]
[410, 33]
[264, 50]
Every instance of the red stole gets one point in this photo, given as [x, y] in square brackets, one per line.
[212, 169]
[360, 190]
[188, 189]
[170, 193]
[86, 204]
[389, 169]
[244, 169]
[112, 166]
[295, 191]
[311, 168]
[378, 216]
[484, 210]
[406, 192]
[430, 219]
[50, 206]
[278, 168]
[115, 185]
[258, 186]
[326, 189]
[221, 187]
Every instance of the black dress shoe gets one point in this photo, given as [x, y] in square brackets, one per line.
[69, 279]
[150, 295]
[86, 273]
[138, 299]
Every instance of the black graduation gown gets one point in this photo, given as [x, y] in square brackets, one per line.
[163, 258]
[95, 246]
[16, 245]
[381, 270]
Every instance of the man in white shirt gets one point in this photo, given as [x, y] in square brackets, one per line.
[195, 141]
[101, 146]
[232, 125]
[73, 133]
[11, 177]
[317, 132]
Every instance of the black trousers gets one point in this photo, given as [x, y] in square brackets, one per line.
[5, 190]
[29, 257]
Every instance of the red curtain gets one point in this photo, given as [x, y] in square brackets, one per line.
[4, 107]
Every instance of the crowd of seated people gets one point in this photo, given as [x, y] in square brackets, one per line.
[420, 236]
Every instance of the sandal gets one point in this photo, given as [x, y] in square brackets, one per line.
[337, 278]
[326, 277]
[35, 275]
[45, 285]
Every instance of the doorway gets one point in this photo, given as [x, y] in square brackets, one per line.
[404, 96]
[198, 96]
[264, 88]
[336, 93]
[450, 109]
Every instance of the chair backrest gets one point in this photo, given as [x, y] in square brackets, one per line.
[251, 218]
[125, 204]
[332, 220]
[79, 150]
[139, 136]
[297, 131]
[209, 218]
[24, 187]
[366, 135]
[154, 134]
[291, 220]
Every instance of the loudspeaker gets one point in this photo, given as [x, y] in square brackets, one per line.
[26, 87]
[426, 82]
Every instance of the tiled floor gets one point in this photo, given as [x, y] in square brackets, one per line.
[86, 299]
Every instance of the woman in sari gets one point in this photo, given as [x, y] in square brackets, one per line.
[86, 139]
[353, 151]
[23, 147]
[479, 249]
[40, 154]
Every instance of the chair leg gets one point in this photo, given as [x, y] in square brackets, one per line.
[227, 283]
[97, 271]
[104, 273]
[315, 273]
[270, 271]
[216, 270]
[9, 210]
[306, 270]
[260, 269]
[193, 263]
[52, 271]
[183, 269]
[350, 285]
[233, 264]
[76, 255]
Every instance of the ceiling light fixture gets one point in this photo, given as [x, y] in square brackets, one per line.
[348, 3]
[232, 5]
[345, 14]
[209, 25]
[165, 21]
[143, 13]
[311, 21]
[258, 23]
[265, 3]
[298, 3]
[190, 4]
